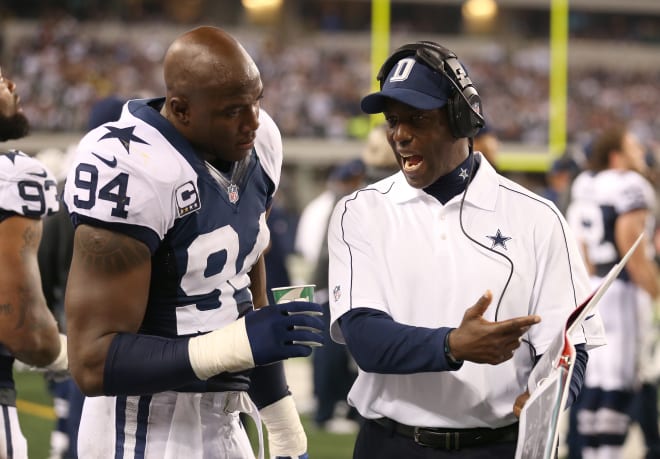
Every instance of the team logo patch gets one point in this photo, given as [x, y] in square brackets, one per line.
[187, 198]
[498, 240]
[336, 292]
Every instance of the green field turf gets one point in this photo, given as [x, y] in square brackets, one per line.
[37, 420]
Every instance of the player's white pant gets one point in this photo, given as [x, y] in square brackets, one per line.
[603, 416]
[166, 425]
[649, 355]
[12, 442]
[614, 366]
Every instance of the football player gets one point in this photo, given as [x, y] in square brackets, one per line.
[166, 287]
[28, 330]
[618, 208]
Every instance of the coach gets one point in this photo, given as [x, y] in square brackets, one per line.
[447, 281]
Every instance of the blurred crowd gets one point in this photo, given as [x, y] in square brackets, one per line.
[314, 91]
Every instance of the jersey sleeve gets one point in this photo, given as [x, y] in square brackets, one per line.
[636, 193]
[27, 187]
[268, 146]
[134, 193]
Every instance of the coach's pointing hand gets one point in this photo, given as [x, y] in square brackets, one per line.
[478, 340]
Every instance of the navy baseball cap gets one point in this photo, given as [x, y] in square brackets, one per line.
[412, 83]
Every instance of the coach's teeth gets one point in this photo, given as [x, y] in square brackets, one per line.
[411, 162]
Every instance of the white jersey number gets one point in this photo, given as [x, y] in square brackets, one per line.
[209, 267]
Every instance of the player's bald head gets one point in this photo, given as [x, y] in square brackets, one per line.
[206, 57]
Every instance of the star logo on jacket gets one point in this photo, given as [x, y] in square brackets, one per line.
[463, 174]
[499, 240]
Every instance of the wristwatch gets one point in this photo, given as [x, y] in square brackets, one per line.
[450, 358]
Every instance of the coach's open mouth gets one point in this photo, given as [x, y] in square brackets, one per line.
[412, 163]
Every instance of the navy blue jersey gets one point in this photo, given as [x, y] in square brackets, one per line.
[140, 177]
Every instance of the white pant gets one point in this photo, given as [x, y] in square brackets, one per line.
[166, 425]
[614, 366]
[12, 441]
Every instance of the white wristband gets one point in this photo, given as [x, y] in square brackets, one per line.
[286, 436]
[227, 349]
[61, 362]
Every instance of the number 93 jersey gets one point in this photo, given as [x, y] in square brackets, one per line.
[140, 177]
[27, 188]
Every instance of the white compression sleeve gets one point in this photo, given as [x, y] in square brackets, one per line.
[286, 436]
[227, 349]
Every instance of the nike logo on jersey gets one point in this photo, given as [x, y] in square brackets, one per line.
[43, 174]
[108, 162]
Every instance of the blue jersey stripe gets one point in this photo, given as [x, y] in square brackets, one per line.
[120, 424]
[5, 418]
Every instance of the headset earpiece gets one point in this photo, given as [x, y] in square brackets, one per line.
[464, 109]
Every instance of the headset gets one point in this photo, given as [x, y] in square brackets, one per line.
[465, 119]
[464, 106]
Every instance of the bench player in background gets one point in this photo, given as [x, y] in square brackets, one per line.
[28, 330]
[447, 280]
[170, 205]
[617, 208]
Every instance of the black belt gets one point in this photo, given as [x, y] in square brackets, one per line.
[451, 439]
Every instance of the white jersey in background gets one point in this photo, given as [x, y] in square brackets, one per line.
[27, 189]
[612, 193]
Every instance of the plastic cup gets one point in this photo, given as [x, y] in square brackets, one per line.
[293, 293]
[298, 293]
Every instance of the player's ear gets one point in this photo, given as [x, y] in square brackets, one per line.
[179, 108]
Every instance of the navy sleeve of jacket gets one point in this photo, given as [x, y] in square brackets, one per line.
[579, 367]
[380, 345]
